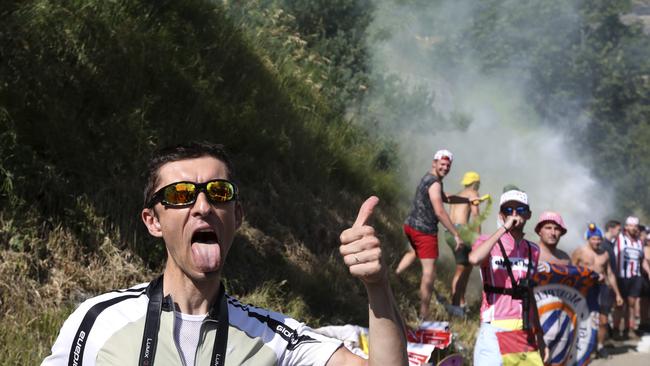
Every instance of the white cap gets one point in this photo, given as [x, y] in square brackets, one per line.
[514, 195]
[631, 220]
[443, 154]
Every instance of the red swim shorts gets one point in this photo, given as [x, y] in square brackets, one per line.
[425, 245]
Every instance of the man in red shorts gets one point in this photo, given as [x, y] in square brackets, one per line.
[421, 225]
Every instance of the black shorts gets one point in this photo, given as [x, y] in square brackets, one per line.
[462, 255]
[645, 286]
[606, 299]
[630, 287]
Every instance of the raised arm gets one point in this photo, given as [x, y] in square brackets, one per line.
[454, 199]
[474, 212]
[361, 251]
[482, 252]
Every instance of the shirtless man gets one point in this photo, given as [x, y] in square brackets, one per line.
[594, 257]
[612, 229]
[460, 214]
[550, 228]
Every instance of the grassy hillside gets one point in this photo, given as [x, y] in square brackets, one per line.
[89, 88]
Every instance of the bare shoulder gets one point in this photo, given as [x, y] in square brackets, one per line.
[578, 251]
[469, 193]
[435, 187]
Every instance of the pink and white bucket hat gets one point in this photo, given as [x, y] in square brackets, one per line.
[550, 216]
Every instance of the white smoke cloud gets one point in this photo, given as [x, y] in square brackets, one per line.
[506, 141]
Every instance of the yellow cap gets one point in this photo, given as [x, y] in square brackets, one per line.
[469, 178]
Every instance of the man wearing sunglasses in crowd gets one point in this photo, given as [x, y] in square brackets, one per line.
[507, 262]
[184, 317]
[421, 225]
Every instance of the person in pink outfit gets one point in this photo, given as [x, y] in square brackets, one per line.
[508, 262]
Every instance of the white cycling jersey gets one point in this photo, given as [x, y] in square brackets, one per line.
[116, 320]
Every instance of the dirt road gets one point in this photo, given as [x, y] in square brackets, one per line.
[625, 353]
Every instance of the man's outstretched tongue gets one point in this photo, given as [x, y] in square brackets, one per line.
[206, 253]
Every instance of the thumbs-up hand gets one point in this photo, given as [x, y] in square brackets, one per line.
[361, 249]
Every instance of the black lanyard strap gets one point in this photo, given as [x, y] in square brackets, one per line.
[152, 322]
[221, 337]
[519, 290]
[152, 325]
[508, 264]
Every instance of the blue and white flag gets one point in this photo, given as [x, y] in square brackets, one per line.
[567, 303]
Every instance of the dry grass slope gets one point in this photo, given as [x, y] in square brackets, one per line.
[84, 100]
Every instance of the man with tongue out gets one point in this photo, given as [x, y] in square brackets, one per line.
[184, 317]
